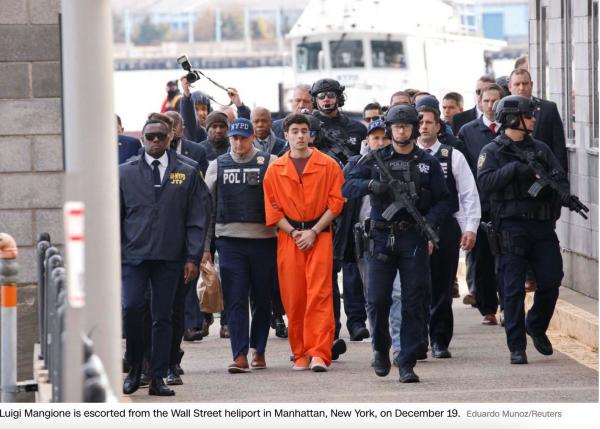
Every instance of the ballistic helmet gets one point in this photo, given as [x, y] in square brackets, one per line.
[325, 85]
[511, 109]
[405, 114]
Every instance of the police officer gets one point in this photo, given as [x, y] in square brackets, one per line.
[162, 233]
[525, 224]
[247, 248]
[328, 97]
[396, 243]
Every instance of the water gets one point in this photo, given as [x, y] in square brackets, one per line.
[140, 92]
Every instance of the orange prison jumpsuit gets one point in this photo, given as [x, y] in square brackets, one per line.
[305, 276]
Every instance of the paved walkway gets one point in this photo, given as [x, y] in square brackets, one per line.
[478, 372]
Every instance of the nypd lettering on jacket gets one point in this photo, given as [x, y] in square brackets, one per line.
[239, 191]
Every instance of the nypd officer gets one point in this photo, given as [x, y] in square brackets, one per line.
[397, 243]
[162, 234]
[525, 224]
[247, 248]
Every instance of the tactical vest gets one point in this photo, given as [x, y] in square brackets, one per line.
[444, 156]
[514, 200]
[407, 171]
[240, 195]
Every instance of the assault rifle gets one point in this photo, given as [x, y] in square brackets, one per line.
[545, 180]
[335, 145]
[404, 198]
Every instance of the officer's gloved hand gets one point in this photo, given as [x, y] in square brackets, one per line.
[378, 188]
[523, 171]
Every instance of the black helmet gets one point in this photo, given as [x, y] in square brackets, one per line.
[315, 123]
[324, 85]
[509, 110]
[403, 113]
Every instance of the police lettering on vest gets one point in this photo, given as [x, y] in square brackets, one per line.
[240, 195]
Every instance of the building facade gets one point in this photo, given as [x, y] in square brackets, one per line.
[563, 47]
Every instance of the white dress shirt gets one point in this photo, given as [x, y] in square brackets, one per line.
[469, 213]
[162, 167]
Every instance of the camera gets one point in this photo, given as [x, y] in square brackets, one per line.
[192, 75]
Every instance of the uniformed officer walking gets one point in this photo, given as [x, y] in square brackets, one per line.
[526, 186]
[247, 248]
[162, 233]
[399, 239]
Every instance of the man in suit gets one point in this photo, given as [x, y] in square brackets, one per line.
[462, 118]
[186, 147]
[481, 277]
[301, 100]
[128, 146]
[548, 124]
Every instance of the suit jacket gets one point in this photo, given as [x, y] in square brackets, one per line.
[549, 129]
[128, 147]
[462, 118]
[196, 152]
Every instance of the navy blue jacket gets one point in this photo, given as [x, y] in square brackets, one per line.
[472, 137]
[277, 128]
[463, 118]
[431, 178]
[196, 152]
[128, 147]
[170, 228]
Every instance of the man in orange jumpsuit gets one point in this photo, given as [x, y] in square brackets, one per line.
[302, 197]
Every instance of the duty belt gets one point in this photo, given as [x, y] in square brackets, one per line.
[397, 226]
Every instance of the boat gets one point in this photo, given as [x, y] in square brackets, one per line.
[378, 47]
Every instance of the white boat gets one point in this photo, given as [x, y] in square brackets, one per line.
[377, 47]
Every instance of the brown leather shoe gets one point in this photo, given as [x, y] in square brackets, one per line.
[489, 319]
[258, 361]
[239, 365]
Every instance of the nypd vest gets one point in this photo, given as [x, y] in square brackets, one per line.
[240, 195]
[444, 156]
[407, 171]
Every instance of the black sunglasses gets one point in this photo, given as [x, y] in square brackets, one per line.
[328, 94]
[151, 136]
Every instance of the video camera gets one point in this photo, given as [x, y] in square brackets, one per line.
[192, 75]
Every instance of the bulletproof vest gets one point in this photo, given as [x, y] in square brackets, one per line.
[444, 156]
[515, 201]
[406, 170]
[240, 189]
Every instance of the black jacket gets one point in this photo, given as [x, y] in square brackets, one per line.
[462, 118]
[549, 129]
[196, 152]
[350, 131]
[128, 147]
[170, 228]
[343, 239]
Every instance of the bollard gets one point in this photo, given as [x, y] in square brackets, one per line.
[58, 279]
[51, 251]
[42, 245]
[8, 306]
[50, 305]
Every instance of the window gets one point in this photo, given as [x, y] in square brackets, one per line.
[493, 25]
[388, 54]
[346, 54]
[308, 56]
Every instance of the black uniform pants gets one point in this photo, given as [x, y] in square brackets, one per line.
[409, 256]
[162, 276]
[354, 297]
[481, 264]
[534, 243]
[444, 263]
[179, 317]
[277, 309]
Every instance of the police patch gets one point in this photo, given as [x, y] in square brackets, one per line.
[481, 160]
[177, 178]
[444, 152]
[423, 168]
[260, 160]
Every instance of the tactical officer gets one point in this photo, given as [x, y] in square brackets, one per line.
[524, 210]
[409, 199]
[328, 97]
[162, 233]
[247, 248]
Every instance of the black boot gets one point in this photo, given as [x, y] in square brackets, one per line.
[132, 381]
[159, 388]
[278, 324]
[407, 375]
[518, 357]
[381, 363]
[339, 348]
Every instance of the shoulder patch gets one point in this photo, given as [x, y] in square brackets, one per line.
[444, 152]
[481, 160]
[260, 160]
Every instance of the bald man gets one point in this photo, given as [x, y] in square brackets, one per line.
[265, 138]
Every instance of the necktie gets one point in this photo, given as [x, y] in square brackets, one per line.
[156, 177]
[493, 128]
[429, 151]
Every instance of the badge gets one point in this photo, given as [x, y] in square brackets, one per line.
[260, 160]
[481, 160]
[423, 168]
[177, 178]
[444, 152]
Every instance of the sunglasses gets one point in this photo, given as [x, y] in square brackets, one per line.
[324, 95]
[151, 136]
[372, 118]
